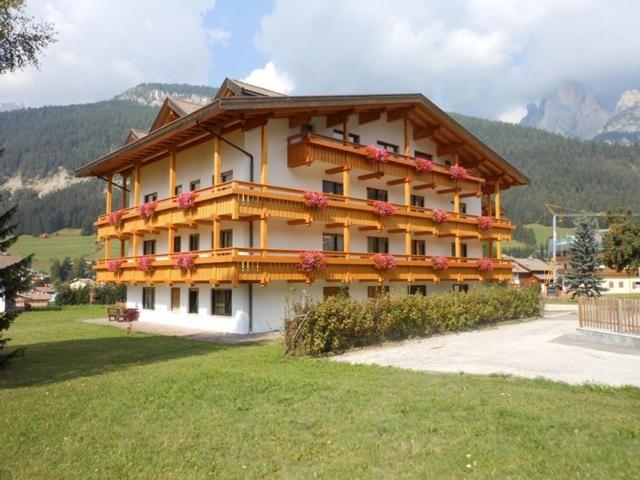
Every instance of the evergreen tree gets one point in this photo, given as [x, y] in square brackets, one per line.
[14, 278]
[583, 277]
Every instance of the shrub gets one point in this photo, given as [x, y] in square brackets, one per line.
[340, 322]
[107, 294]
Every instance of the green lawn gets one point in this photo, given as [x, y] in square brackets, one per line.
[89, 401]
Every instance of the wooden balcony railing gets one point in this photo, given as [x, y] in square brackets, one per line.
[306, 148]
[236, 265]
[243, 200]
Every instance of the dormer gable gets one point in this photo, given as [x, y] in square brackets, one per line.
[173, 109]
[237, 88]
[133, 135]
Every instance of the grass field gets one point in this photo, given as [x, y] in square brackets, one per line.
[91, 402]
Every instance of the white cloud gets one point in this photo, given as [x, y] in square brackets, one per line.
[482, 57]
[513, 114]
[270, 77]
[219, 35]
[105, 47]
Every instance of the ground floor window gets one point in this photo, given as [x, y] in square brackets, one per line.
[221, 302]
[149, 298]
[175, 299]
[460, 287]
[335, 291]
[376, 291]
[193, 300]
[418, 290]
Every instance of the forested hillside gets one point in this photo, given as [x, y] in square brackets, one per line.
[37, 142]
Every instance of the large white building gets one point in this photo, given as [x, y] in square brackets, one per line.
[273, 176]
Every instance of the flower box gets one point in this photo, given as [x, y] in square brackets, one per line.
[145, 264]
[384, 261]
[311, 261]
[440, 216]
[114, 265]
[485, 223]
[486, 265]
[440, 263]
[316, 200]
[458, 172]
[423, 165]
[377, 154]
[185, 261]
[147, 210]
[383, 209]
[115, 218]
[186, 200]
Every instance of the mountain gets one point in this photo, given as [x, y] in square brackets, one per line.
[572, 110]
[624, 125]
[153, 94]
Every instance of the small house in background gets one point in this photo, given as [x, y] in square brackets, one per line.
[620, 282]
[32, 299]
[529, 271]
[43, 235]
[78, 283]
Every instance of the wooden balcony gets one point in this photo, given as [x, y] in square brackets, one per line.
[307, 148]
[249, 265]
[249, 201]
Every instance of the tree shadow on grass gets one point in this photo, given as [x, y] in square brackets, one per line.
[53, 362]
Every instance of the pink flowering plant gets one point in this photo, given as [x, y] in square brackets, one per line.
[440, 216]
[384, 261]
[424, 165]
[485, 223]
[145, 264]
[440, 263]
[377, 154]
[486, 265]
[185, 261]
[311, 261]
[147, 210]
[383, 209]
[114, 265]
[115, 218]
[316, 200]
[458, 172]
[186, 199]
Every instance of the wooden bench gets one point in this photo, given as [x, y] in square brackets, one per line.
[115, 314]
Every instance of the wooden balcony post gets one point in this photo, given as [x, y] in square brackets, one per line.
[407, 149]
[407, 243]
[346, 181]
[109, 194]
[264, 163]
[125, 194]
[490, 248]
[497, 200]
[407, 192]
[264, 234]
[172, 172]
[122, 247]
[345, 131]
[346, 238]
[216, 232]
[499, 249]
[137, 174]
[107, 248]
[171, 232]
[134, 253]
[456, 195]
[217, 161]
[458, 247]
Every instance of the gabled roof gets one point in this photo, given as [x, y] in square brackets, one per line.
[135, 134]
[236, 88]
[172, 109]
[533, 265]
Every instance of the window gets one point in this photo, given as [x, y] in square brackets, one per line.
[335, 291]
[463, 207]
[418, 247]
[377, 291]
[332, 242]
[620, 284]
[377, 194]
[151, 197]
[460, 287]
[417, 201]
[149, 247]
[389, 147]
[177, 190]
[226, 238]
[193, 300]
[175, 299]
[306, 127]
[221, 302]
[195, 185]
[226, 176]
[418, 153]
[463, 249]
[177, 244]
[418, 290]
[194, 242]
[377, 245]
[339, 135]
[148, 298]
[332, 188]
[610, 284]
[447, 163]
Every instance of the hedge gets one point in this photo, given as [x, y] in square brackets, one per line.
[339, 323]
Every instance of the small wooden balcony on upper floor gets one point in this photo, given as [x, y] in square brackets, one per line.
[241, 265]
[249, 201]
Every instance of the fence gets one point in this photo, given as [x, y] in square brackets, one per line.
[614, 314]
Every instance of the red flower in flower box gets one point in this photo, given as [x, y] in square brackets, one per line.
[115, 218]
[114, 265]
[458, 172]
[311, 261]
[486, 265]
[440, 216]
[186, 199]
[423, 165]
[383, 209]
[147, 210]
[440, 263]
[185, 261]
[384, 261]
[485, 223]
[316, 200]
[145, 264]
[377, 154]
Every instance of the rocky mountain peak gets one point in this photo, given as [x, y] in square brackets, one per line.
[629, 99]
[624, 125]
[154, 94]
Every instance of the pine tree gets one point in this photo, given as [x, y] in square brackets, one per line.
[583, 277]
[14, 278]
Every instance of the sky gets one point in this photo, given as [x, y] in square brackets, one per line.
[488, 58]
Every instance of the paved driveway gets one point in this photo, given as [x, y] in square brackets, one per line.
[541, 348]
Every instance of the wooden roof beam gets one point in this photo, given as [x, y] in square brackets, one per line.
[449, 149]
[334, 119]
[295, 122]
[400, 113]
[370, 116]
[255, 122]
[369, 176]
[399, 181]
[420, 133]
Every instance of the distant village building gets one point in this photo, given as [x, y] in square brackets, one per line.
[78, 283]
[32, 299]
[529, 271]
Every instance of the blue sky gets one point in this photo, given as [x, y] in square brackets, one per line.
[488, 58]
